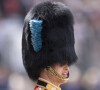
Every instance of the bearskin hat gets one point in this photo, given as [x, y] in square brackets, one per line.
[56, 42]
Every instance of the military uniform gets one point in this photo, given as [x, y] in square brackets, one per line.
[48, 38]
[43, 84]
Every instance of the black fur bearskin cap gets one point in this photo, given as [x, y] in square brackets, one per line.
[57, 38]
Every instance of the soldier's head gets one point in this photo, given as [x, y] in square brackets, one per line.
[56, 73]
[48, 38]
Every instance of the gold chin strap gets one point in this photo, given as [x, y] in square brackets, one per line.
[53, 72]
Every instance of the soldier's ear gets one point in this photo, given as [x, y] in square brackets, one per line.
[45, 69]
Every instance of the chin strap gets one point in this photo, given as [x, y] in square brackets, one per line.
[53, 72]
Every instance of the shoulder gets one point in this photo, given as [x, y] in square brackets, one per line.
[38, 87]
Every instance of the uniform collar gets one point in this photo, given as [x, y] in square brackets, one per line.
[47, 84]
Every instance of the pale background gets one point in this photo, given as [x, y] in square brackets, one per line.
[85, 75]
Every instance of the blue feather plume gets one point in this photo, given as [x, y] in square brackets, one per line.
[36, 28]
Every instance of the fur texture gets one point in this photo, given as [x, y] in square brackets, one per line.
[57, 38]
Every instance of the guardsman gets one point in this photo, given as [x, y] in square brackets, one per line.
[48, 44]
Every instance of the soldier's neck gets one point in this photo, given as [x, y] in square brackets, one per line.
[49, 84]
[49, 77]
[51, 80]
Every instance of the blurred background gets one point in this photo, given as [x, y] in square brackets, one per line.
[84, 75]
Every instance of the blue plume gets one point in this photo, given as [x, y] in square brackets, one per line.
[36, 28]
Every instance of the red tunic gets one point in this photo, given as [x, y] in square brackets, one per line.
[37, 88]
